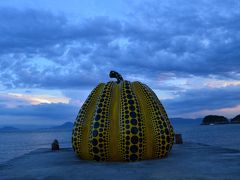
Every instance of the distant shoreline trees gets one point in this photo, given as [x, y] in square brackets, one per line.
[215, 119]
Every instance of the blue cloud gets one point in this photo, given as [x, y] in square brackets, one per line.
[42, 49]
[53, 112]
[203, 99]
[188, 40]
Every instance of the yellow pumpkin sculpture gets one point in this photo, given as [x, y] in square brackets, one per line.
[122, 121]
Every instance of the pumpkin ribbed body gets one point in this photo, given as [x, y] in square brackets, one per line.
[122, 122]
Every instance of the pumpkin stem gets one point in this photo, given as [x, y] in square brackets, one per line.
[114, 74]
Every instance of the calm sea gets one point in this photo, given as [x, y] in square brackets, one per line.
[14, 144]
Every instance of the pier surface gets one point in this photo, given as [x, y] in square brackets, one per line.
[186, 161]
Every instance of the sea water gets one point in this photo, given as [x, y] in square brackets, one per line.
[225, 135]
[17, 143]
[14, 144]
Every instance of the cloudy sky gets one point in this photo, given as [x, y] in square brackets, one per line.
[53, 53]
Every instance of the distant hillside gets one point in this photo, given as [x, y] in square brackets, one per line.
[236, 119]
[214, 119]
[66, 125]
[9, 128]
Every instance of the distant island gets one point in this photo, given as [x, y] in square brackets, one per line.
[214, 119]
[236, 119]
[66, 125]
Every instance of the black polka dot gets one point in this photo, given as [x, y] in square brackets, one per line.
[134, 139]
[133, 121]
[131, 102]
[133, 148]
[167, 131]
[95, 150]
[127, 91]
[168, 139]
[133, 157]
[95, 133]
[133, 114]
[129, 96]
[96, 124]
[94, 142]
[132, 108]
[97, 117]
[134, 130]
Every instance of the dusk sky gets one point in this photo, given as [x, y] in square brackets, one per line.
[53, 53]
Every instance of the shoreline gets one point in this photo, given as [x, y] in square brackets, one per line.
[189, 160]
